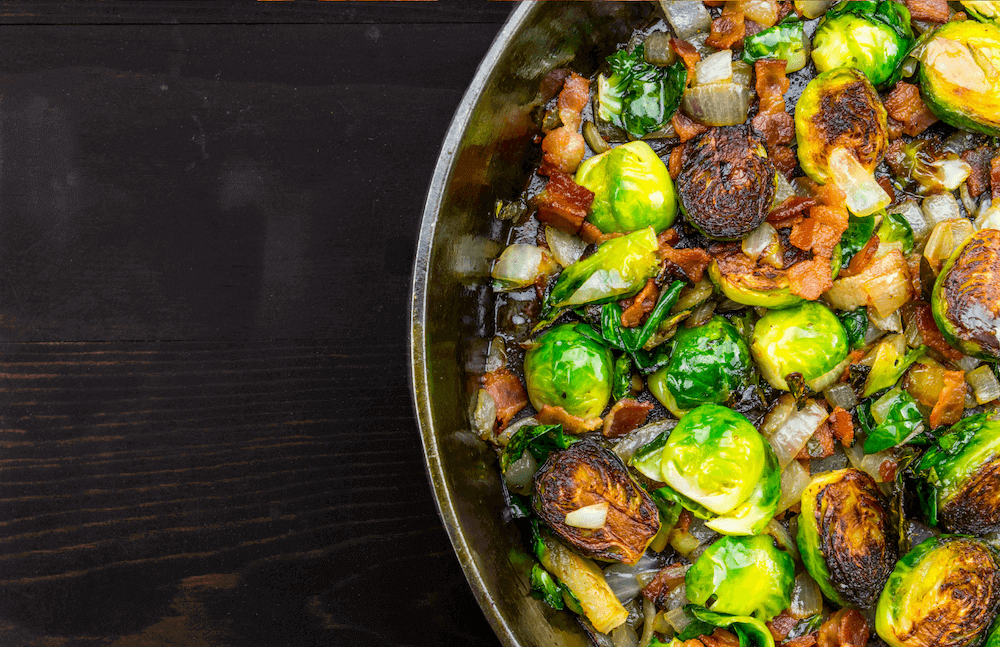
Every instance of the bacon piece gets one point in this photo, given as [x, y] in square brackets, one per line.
[810, 279]
[642, 304]
[846, 627]
[807, 640]
[979, 178]
[931, 335]
[771, 85]
[691, 261]
[830, 195]
[781, 625]
[572, 100]
[842, 426]
[791, 208]
[929, 10]
[666, 579]
[594, 236]
[913, 267]
[720, 638]
[688, 54]
[625, 416]
[563, 203]
[685, 127]
[905, 105]
[894, 128]
[777, 128]
[674, 165]
[887, 470]
[995, 178]
[727, 30]
[668, 237]
[862, 259]
[550, 415]
[563, 149]
[823, 447]
[508, 393]
[783, 158]
[951, 403]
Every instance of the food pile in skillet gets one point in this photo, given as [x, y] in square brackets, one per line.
[744, 386]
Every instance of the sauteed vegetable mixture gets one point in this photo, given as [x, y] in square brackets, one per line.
[744, 384]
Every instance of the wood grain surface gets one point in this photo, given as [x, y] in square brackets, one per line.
[208, 212]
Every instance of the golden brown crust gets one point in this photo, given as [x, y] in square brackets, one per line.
[972, 291]
[975, 509]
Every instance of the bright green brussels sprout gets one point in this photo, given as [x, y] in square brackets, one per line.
[708, 364]
[786, 41]
[983, 10]
[808, 339]
[870, 36]
[846, 538]
[840, 109]
[747, 576]
[994, 638]
[943, 593]
[632, 189]
[961, 477]
[966, 296]
[753, 515]
[958, 75]
[757, 283]
[569, 369]
[617, 270]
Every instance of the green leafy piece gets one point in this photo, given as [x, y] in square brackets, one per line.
[856, 325]
[933, 170]
[545, 588]
[567, 368]
[859, 232]
[895, 229]
[751, 631]
[783, 41]
[638, 96]
[870, 36]
[540, 440]
[889, 365]
[669, 497]
[632, 189]
[622, 382]
[746, 576]
[808, 339]
[618, 269]
[983, 10]
[902, 421]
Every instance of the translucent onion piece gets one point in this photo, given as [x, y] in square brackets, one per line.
[967, 200]
[915, 216]
[642, 436]
[648, 620]
[864, 196]
[988, 218]
[590, 517]
[566, 248]
[764, 12]
[784, 538]
[783, 190]
[967, 363]
[484, 415]
[717, 68]
[777, 415]
[868, 463]
[624, 584]
[807, 600]
[892, 323]
[701, 315]
[624, 636]
[812, 8]
[759, 240]
[677, 618]
[519, 473]
[657, 50]
[984, 384]
[794, 480]
[793, 435]
[836, 461]
[940, 207]
[841, 395]
[496, 357]
[694, 296]
[718, 104]
[504, 437]
[742, 73]
[946, 236]
[686, 18]
[520, 265]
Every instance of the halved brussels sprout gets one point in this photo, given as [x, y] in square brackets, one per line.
[746, 576]
[808, 339]
[846, 538]
[757, 283]
[587, 474]
[726, 184]
[945, 593]
[873, 37]
[569, 369]
[632, 189]
[708, 364]
[966, 296]
[840, 109]
[958, 75]
[962, 477]
[617, 270]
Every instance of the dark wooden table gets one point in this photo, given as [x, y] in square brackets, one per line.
[208, 213]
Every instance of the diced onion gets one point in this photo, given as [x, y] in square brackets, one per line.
[812, 8]
[590, 516]
[484, 415]
[794, 480]
[657, 50]
[835, 461]
[718, 104]
[778, 414]
[864, 196]
[967, 200]
[677, 618]
[884, 284]
[868, 463]
[641, 437]
[940, 207]
[504, 437]
[888, 292]
[913, 214]
[701, 315]
[520, 472]
[624, 636]
[566, 248]
[742, 73]
[764, 12]
[946, 236]
[984, 384]
[520, 265]
[796, 431]
[807, 600]
[759, 240]
[841, 395]
[783, 190]
[686, 18]
[892, 323]
[648, 618]
[988, 218]
[717, 68]
[967, 363]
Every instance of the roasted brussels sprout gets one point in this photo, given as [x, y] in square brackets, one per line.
[839, 109]
[966, 296]
[945, 593]
[708, 363]
[758, 283]
[566, 368]
[961, 477]
[632, 189]
[726, 185]
[746, 576]
[618, 269]
[958, 75]
[983, 10]
[585, 475]
[846, 538]
[873, 37]
[808, 339]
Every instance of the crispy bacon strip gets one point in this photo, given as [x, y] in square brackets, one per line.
[665, 580]
[845, 627]
[979, 178]
[508, 393]
[783, 158]
[824, 440]
[781, 625]
[905, 105]
[594, 236]
[895, 128]
[687, 53]
[572, 100]
[727, 30]
[691, 261]
[720, 638]
[951, 403]
[674, 163]
[550, 415]
[625, 416]
[642, 304]
[777, 128]
[563, 203]
[842, 426]
[932, 336]
[807, 640]
[929, 10]
[790, 211]
[810, 279]
[686, 128]
[771, 85]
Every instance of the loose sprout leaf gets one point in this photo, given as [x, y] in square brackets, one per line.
[782, 41]
[859, 232]
[751, 631]
[901, 422]
[545, 588]
[889, 366]
[668, 298]
[622, 381]
[667, 494]
[540, 440]
[856, 324]
[638, 96]
[895, 229]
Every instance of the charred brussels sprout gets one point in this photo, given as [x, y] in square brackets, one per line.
[840, 109]
[845, 537]
[958, 75]
[632, 189]
[808, 340]
[584, 475]
[873, 37]
[961, 476]
[759, 283]
[747, 576]
[945, 593]
[569, 369]
[726, 185]
[707, 364]
[966, 296]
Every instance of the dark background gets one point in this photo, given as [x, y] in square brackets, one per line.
[208, 212]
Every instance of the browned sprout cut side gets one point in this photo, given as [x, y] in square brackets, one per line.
[966, 298]
[585, 475]
[726, 184]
